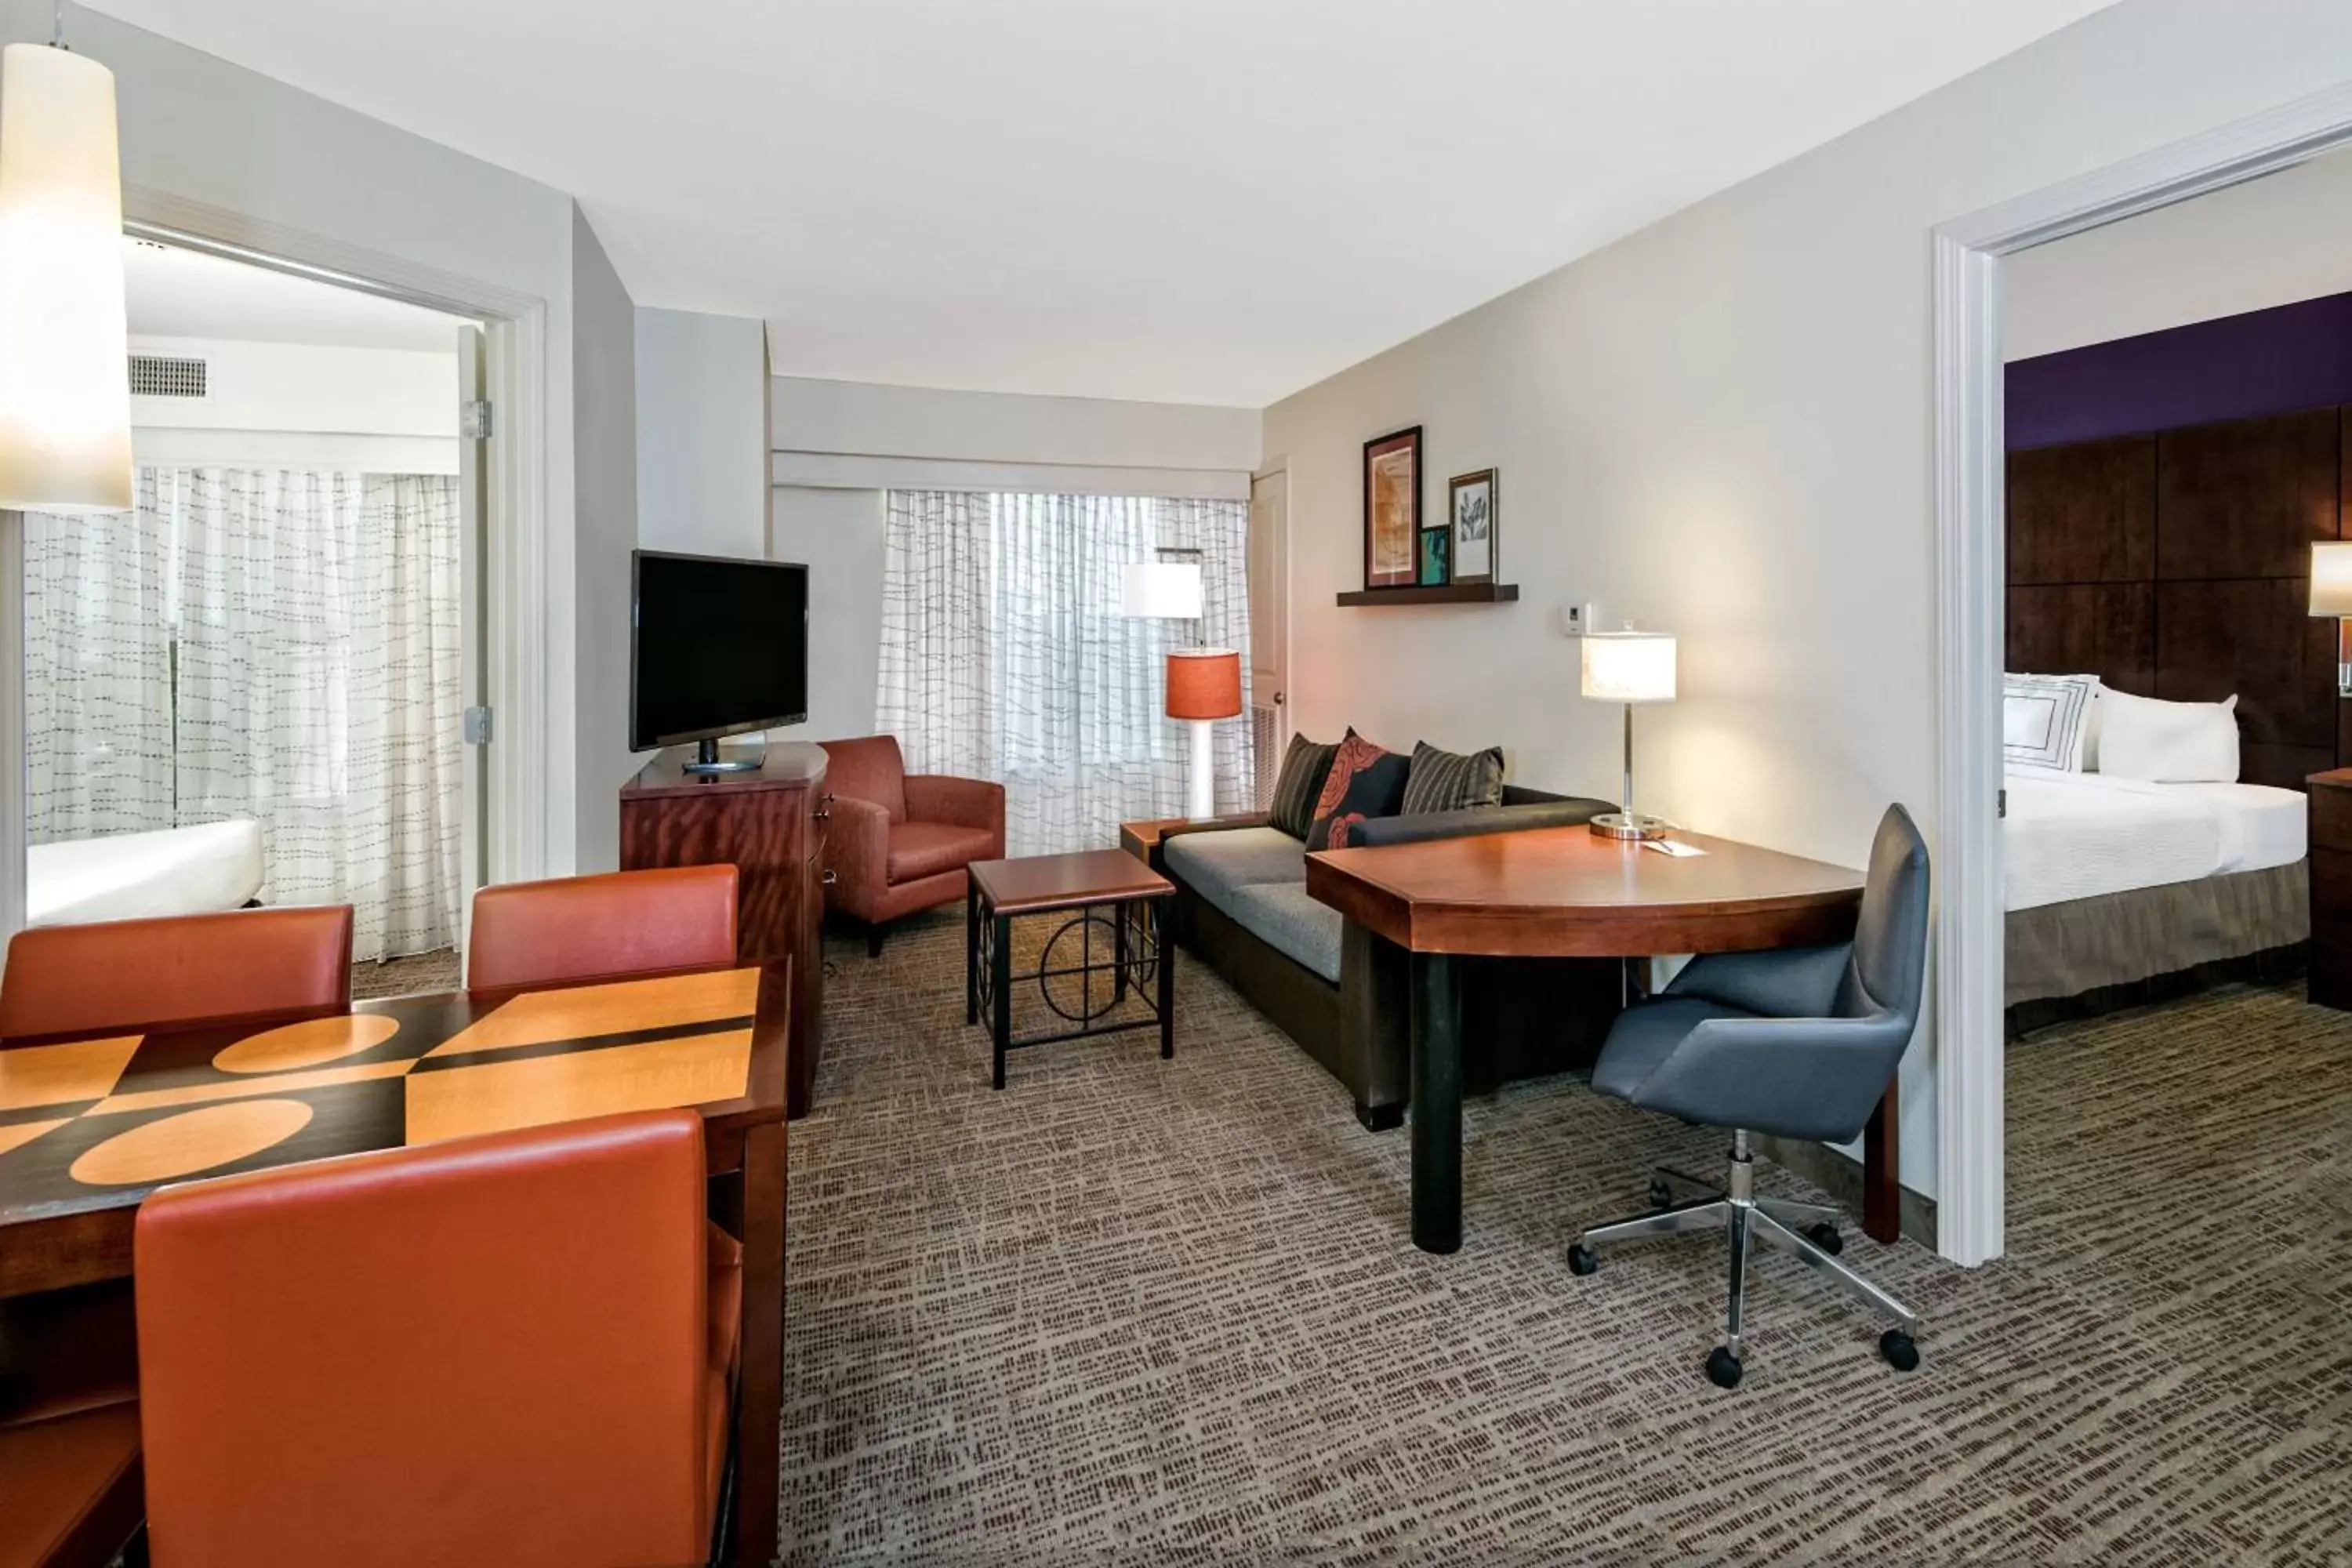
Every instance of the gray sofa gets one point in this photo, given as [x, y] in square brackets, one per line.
[1340, 992]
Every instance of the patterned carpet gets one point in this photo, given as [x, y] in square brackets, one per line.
[426, 973]
[1129, 1310]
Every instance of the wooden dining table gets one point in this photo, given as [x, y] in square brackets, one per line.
[90, 1126]
[1568, 892]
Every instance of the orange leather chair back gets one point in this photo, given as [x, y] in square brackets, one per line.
[871, 768]
[493, 1350]
[128, 975]
[578, 929]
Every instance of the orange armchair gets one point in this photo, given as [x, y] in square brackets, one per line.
[620, 925]
[895, 844]
[513, 1348]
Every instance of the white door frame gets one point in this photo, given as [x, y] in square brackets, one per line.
[516, 649]
[1971, 1176]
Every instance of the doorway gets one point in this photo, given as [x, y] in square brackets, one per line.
[251, 688]
[1970, 577]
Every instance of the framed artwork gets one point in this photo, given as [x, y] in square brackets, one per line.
[1433, 555]
[1393, 510]
[1470, 502]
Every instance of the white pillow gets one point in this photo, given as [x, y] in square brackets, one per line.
[2168, 743]
[2044, 720]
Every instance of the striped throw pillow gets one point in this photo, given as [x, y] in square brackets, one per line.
[1300, 785]
[1443, 780]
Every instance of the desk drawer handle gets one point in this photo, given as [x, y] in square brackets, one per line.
[831, 878]
[824, 811]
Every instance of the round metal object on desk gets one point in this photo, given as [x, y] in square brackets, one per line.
[1617, 825]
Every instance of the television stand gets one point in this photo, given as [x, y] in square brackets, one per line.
[707, 760]
[770, 826]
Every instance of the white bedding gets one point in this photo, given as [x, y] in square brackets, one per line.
[2076, 836]
[134, 876]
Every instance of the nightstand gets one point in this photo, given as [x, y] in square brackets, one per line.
[2330, 982]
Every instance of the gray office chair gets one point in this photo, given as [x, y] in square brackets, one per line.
[1797, 1044]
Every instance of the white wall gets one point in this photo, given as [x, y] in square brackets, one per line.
[604, 400]
[198, 128]
[2269, 242]
[270, 405]
[837, 535]
[1721, 426]
[702, 436]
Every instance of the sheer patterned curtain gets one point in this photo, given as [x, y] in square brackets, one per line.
[310, 636]
[1004, 654]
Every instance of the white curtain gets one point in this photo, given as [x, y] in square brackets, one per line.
[1004, 654]
[310, 645]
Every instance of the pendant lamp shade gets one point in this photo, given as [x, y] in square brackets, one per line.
[65, 392]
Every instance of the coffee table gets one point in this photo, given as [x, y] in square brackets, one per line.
[1139, 954]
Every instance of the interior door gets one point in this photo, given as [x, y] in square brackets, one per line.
[1269, 604]
[474, 430]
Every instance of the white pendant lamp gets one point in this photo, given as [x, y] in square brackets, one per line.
[64, 393]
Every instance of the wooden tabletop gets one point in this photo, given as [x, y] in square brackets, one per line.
[1569, 892]
[1035, 882]
[89, 1127]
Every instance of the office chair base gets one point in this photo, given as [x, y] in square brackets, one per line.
[1807, 1231]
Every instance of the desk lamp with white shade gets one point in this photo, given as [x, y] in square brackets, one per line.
[2331, 595]
[1629, 667]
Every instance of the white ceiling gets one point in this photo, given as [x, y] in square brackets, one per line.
[175, 293]
[1214, 201]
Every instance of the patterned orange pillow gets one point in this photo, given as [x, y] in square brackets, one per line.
[1365, 781]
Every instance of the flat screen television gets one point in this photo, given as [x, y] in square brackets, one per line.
[716, 646]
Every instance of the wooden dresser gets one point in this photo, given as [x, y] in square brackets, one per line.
[770, 826]
[2330, 983]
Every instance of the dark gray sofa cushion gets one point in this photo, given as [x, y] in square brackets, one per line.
[1218, 863]
[1282, 916]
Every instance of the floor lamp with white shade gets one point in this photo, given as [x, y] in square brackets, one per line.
[1204, 684]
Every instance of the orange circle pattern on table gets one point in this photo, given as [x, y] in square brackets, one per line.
[190, 1143]
[313, 1043]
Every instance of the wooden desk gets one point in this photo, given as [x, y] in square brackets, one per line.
[90, 1127]
[1567, 893]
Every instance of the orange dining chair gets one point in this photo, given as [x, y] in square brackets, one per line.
[577, 930]
[183, 969]
[512, 1349]
[70, 1458]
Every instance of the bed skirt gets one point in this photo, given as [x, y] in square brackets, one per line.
[2120, 950]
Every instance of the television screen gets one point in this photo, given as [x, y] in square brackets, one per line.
[716, 647]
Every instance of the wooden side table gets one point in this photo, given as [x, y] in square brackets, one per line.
[2330, 982]
[1136, 953]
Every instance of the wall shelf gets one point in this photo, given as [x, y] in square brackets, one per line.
[1451, 594]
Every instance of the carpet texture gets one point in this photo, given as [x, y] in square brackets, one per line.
[423, 974]
[1135, 1310]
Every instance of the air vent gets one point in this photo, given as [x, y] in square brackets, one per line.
[160, 375]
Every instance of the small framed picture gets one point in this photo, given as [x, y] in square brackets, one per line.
[1392, 508]
[1470, 502]
[1435, 556]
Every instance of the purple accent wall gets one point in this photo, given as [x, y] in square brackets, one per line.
[2265, 362]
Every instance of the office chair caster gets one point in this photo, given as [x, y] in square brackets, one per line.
[1722, 1368]
[1825, 1236]
[1900, 1353]
[1662, 1196]
[1582, 1261]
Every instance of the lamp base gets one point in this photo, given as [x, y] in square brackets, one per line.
[1618, 825]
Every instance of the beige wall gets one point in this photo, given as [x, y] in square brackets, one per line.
[1721, 426]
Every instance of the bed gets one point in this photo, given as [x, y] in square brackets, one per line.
[133, 876]
[2121, 891]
